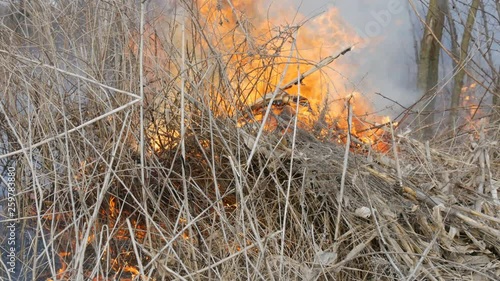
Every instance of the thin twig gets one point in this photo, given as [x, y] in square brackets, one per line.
[131, 232]
[63, 134]
[244, 250]
[344, 168]
[396, 157]
[324, 62]
[290, 171]
[93, 81]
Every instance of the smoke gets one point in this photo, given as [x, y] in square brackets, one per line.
[385, 57]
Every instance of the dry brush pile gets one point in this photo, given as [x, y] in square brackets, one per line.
[117, 182]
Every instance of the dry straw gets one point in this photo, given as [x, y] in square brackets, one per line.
[163, 185]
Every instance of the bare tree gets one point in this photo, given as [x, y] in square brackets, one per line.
[496, 92]
[428, 64]
[462, 61]
[496, 100]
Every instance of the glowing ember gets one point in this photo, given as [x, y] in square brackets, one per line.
[131, 269]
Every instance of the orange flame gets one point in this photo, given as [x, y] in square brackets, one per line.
[252, 38]
[263, 47]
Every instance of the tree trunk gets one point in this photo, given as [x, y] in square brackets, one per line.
[496, 92]
[496, 100]
[428, 65]
[459, 77]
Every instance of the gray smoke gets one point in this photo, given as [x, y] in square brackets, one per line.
[385, 59]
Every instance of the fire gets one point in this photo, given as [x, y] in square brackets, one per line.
[121, 259]
[61, 272]
[131, 269]
[256, 38]
[262, 47]
[163, 138]
[468, 88]
[262, 50]
[267, 47]
[471, 103]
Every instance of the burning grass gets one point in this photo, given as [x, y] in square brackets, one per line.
[316, 192]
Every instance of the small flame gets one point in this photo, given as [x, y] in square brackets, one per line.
[131, 269]
[162, 139]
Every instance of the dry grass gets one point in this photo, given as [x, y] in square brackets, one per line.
[201, 202]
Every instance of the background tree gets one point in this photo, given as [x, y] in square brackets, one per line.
[428, 64]
[462, 60]
[496, 93]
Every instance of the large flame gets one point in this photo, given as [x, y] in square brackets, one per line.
[266, 42]
[263, 47]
